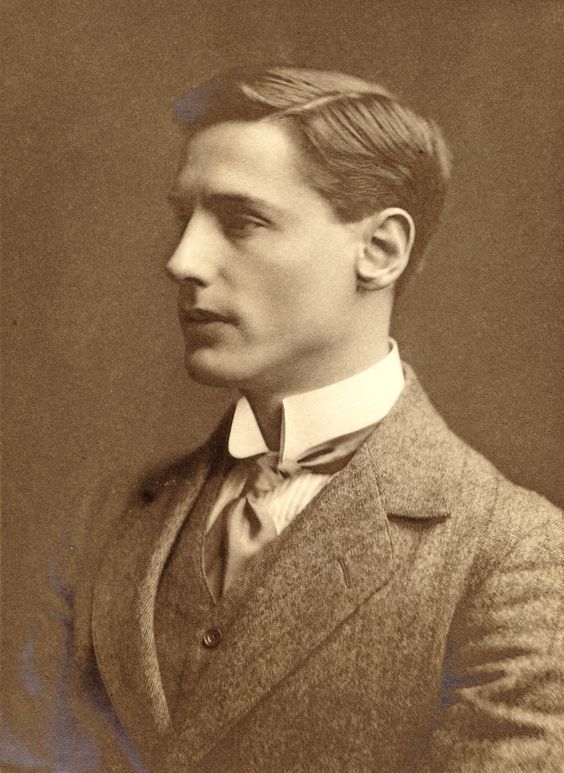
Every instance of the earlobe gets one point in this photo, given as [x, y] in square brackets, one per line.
[385, 249]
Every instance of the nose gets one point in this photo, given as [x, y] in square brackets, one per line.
[194, 258]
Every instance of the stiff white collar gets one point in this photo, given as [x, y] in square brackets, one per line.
[323, 414]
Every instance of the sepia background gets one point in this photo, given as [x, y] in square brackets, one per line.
[93, 376]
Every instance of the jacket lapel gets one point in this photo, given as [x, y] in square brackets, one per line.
[124, 597]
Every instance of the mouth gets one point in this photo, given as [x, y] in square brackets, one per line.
[203, 316]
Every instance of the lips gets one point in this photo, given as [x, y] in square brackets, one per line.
[204, 316]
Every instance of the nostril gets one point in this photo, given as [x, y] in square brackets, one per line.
[194, 280]
[182, 277]
[177, 269]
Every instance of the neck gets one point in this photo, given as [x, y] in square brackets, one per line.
[268, 412]
[267, 405]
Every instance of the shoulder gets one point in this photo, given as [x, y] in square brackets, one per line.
[483, 507]
[509, 506]
[502, 533]
[502, 549]
[515, 521]
[472, 478]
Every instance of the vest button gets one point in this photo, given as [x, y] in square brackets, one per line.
[212, 638]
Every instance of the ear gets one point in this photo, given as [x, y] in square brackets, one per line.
[386, 245]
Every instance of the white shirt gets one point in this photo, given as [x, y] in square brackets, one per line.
[308, 419]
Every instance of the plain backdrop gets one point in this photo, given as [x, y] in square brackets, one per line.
[93, 376]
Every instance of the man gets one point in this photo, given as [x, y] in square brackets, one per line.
[334, 581]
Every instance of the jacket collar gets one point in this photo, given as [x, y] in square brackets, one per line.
[412, 450]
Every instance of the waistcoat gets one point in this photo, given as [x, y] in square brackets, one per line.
[190, 625]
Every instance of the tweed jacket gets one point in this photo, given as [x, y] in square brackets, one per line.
[410, 622]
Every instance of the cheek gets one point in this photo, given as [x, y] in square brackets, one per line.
[305, 306]
[289, 291]
[302, 280]
[325, 285]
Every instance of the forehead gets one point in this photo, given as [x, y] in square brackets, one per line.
[254, 159]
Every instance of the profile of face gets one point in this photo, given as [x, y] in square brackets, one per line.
[266, 271]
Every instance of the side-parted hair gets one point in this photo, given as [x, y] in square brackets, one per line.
[366, 151]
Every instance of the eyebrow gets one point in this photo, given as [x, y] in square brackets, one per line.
[216, 200]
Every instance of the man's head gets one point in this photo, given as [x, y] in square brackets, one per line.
[346, 171]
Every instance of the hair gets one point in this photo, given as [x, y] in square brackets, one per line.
[366, 150]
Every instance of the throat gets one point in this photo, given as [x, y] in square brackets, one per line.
[268, 413]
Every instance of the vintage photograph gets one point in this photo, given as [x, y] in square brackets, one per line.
[282, 363]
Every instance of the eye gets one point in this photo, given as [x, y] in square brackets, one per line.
[242, 223]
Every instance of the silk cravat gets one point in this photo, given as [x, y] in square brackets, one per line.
[245, 525]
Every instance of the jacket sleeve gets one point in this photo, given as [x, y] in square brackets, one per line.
[45, 721]
[503, 685]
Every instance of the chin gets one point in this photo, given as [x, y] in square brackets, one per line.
[209, 368]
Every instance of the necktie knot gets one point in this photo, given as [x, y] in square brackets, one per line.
[267, 473]
[268, 470]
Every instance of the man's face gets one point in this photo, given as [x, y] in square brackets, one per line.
[266, 271]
